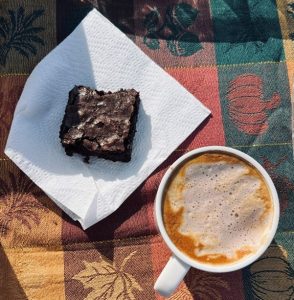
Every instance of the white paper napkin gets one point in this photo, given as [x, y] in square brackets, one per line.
[99, 55]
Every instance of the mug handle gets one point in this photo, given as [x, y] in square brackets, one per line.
[171, 276]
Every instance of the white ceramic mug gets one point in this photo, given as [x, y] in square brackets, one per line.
[179, 264]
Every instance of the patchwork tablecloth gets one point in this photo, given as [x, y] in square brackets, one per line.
[237, 57]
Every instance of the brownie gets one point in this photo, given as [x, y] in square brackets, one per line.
[98, 123]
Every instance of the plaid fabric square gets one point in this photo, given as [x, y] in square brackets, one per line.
[31, 273]
[27, 34]
[109, 270]
[246, 31]
[175, 33]
[255, 102]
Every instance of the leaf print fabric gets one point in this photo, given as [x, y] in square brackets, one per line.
[107, 281]
[222, 51]
[174, 29]
[18, 203]
[18, 33]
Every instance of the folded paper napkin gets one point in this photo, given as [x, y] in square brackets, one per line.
[99, 55]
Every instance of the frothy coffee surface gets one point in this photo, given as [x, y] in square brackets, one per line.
[217, 208]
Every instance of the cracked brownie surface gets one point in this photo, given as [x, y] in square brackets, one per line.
[98, 123]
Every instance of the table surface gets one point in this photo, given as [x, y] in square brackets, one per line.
[237, 57]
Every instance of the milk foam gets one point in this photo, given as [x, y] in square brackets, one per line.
[227, 208]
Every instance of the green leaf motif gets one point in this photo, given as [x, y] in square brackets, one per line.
[151, 20]
[19, 33]
[151, 42]
[171, 22]
[20, 15]
[28, 21]
[184, 45]
[21, 50]
[4, 28]
[13, 18]
[184, 15]
[33, 30]
[174, 29]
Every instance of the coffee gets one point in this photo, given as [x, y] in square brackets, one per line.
[217, 208]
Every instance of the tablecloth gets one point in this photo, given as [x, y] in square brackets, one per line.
[237, 57]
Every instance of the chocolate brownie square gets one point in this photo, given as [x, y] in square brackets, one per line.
[98, 123]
